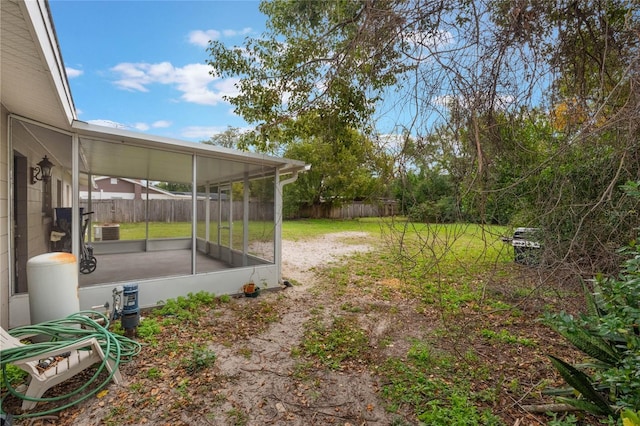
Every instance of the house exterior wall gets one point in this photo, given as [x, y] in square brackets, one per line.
[117, 186]
[62, 189]
[122, 189]
[39, 222]
[4, 220]
[104, 195]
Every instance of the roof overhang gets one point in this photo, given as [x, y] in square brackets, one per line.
[116, 152]
[34, 82]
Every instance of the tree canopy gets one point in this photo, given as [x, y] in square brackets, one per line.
[530, 109]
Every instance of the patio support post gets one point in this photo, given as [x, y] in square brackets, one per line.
[219, 222]
[231, 222]
[89, 207]
[11, 290]
[245, 220]
[278, 218]
[146, 218]
[194, 212]
[277, 223]
[207, 215]
[75, 195]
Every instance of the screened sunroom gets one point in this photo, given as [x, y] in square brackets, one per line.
[222, 234]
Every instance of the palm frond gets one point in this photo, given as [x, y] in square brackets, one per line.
[581, 383]
[594, 346]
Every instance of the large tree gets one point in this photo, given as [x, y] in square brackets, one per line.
[345, 166]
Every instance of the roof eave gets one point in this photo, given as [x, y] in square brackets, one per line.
[43, 29]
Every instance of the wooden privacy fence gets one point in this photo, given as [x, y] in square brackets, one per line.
[349, 211]
[127, 211]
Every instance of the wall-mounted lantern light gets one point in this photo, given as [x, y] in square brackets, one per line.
[42, 172]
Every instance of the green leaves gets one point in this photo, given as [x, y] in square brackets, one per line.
[343, 168]
[594, 346]
[594, 403]
[337, 345]
[609, 334]
[329, 57]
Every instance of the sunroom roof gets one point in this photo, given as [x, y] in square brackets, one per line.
[105, 151]
[117, 152]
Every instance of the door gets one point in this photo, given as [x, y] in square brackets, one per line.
[20, 226]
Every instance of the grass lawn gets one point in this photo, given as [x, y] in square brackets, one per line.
[462, 242]
[291, 229]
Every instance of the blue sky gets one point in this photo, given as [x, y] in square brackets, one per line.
[141, 65]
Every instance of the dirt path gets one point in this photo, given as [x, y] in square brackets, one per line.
[265, 384]
[299, 257]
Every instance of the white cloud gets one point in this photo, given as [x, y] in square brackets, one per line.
[202, 132]
[140, 126]
[234, 33]
[143, 127]
[444, 100]
[202, 37]
[502, 101]
[133, 76]
[433, 41]
[193, 80]
[161, 124]
[424, 44]
[73, 73]
[391, 142]
[205, 132]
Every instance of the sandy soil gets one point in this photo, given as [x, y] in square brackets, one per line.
[300, 257]
[265, 381]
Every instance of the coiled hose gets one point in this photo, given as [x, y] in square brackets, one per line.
[61, 333]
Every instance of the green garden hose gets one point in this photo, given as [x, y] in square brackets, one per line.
[61, 333]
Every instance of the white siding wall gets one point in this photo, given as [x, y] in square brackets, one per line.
[104, 195]
[39, 224]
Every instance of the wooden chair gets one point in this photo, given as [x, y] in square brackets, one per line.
[69, 361]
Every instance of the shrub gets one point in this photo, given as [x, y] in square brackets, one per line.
[609, 333]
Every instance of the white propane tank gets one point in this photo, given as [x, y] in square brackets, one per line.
[53, 286]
